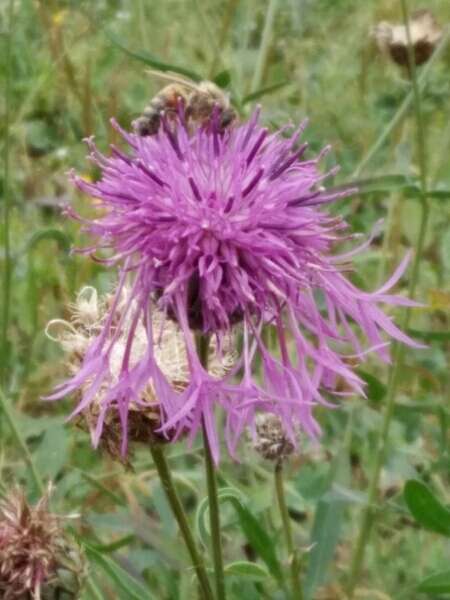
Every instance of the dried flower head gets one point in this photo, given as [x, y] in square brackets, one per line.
[270, 440]
[393, 39]
[87, 317]
[215, 228]
[36, 557]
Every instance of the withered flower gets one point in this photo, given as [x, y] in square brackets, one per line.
[37, 559]
[87, 318]
[393, 39]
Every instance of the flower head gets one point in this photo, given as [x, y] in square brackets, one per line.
[34, 550]
[425, 34]
[87, 317]
[219, 228]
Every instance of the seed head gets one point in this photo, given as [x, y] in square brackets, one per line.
[36, 557]
[425, 33]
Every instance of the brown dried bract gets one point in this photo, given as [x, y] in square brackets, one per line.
[34, 551]
[425, 33]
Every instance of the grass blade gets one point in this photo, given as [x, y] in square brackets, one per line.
[153, 61]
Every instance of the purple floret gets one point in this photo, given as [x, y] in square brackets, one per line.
[219, 228]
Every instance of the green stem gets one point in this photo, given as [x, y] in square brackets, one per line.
[5, 408]
[294, 561]
[265, 45]
[368, 513]
[175, 503]
[226, 24]
[214, 516]
[211, 482]
[6, 202]
[208, 29]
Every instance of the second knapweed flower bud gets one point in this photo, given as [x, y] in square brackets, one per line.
[271, 440]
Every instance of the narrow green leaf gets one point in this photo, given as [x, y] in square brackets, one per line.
[62, 239]
[263, 91]
[376, 390]
[153, 61]
[52, 453]
[224, 494]
[381, 184]
[325, 536]
[125, 582]
[261, 541]
[430, 336]
[257, 536]
[416, 192]
[243, 568]
[439, 194]
[439, 583]
[328, 519]
[424, 408]
[32, 427]
[114, 546]
[102, 488]
[426, 508]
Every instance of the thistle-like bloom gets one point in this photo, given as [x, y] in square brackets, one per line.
[218, 229]
[36, 558]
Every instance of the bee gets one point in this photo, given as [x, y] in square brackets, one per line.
[200, 100]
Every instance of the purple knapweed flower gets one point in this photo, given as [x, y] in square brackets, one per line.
[218, 229]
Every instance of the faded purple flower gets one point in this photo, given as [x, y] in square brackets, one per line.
[218, 229]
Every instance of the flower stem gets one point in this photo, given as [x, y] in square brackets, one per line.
[4, 355]
[294, 562]
[5, 408]
[229, 12]
[211, 482]
[214, 515]
[175, 503]
[368, 513]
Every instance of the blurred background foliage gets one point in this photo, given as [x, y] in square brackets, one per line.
[74, 65]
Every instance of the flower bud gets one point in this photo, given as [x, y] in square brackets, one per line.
[271, 441]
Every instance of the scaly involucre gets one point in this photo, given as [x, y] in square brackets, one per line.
[219, 228]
